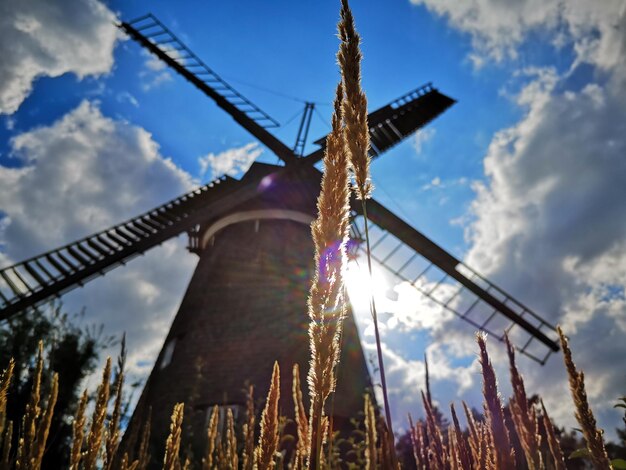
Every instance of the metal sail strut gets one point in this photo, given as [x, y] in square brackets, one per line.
[457, 287]
[36, 280]
[152, 34]
[397, 120]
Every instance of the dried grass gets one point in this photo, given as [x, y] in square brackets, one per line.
[553, 443]
[5, 383]
[209, 457]
[171, 460]
[371, 450]
[357, 143]
[302, 421]
[524, 417]
[35, 426]
[584, 415]
[96, 432]
[265, 452]
[503, 452]
[433, 447]
[327, 305]
[248, 431]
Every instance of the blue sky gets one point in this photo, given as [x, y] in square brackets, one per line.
[522, 178]
[289, 48]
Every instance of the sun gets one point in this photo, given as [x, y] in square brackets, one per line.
[361, 286]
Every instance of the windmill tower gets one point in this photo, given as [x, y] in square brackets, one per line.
[245, 305]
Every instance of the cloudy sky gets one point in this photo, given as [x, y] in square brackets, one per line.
[524, 178]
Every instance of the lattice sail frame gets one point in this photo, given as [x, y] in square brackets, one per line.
[34, 281]
[152, 29]
[439, 291]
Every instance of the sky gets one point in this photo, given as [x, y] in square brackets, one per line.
[524, 178]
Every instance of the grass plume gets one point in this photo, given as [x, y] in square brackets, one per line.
[248, 431]
[264, 454]
[113, 426]
[553, 443]
[357, 136]
[209, 457]
[357, 141]
[464, 455]
[371, 452]
[584, 415]
[94, 438]
[78, 432]
[524, 417]
[5, 383]
[504, 455]
[171, 460]
[326, 299]
[302, 421]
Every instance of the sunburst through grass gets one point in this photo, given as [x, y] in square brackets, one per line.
[263, 441]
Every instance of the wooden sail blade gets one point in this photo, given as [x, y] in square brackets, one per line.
[450, 284]
[152, 34]
[36, 280]
[399, 119]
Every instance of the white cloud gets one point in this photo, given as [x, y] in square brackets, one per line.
[594, 29]
[155, 72]
[422, 137]
[50, 38]
[81, 174]
[551, 223]
[549, 220]
[9, 123]
[155, 80]
[434, 183]
[126, 97]
[406, 378]
[153, 62]
[230, 162]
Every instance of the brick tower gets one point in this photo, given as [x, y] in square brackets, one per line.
[245, 307]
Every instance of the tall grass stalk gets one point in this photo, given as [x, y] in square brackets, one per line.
[371, 452]
[357, 144]
[463, 451]
[265, 452]
[523, 416]
[94, 439]
[113, 426]
[209, 457]
[171, 460]
[302, 421]
[327, 304]
[78, 432]
[248, 431]
[504, 455]
[5, 383]
[584, 415]
[29, 422]
[553, 443]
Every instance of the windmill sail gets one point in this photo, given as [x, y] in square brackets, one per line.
[32, 282]
[399, 119]
[448, 284]
[152, 34]
[389, 125]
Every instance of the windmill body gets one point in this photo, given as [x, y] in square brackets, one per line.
[245, 306]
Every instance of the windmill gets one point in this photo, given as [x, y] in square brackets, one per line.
[244, 306]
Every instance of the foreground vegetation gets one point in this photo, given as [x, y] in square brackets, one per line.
[518, 435]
